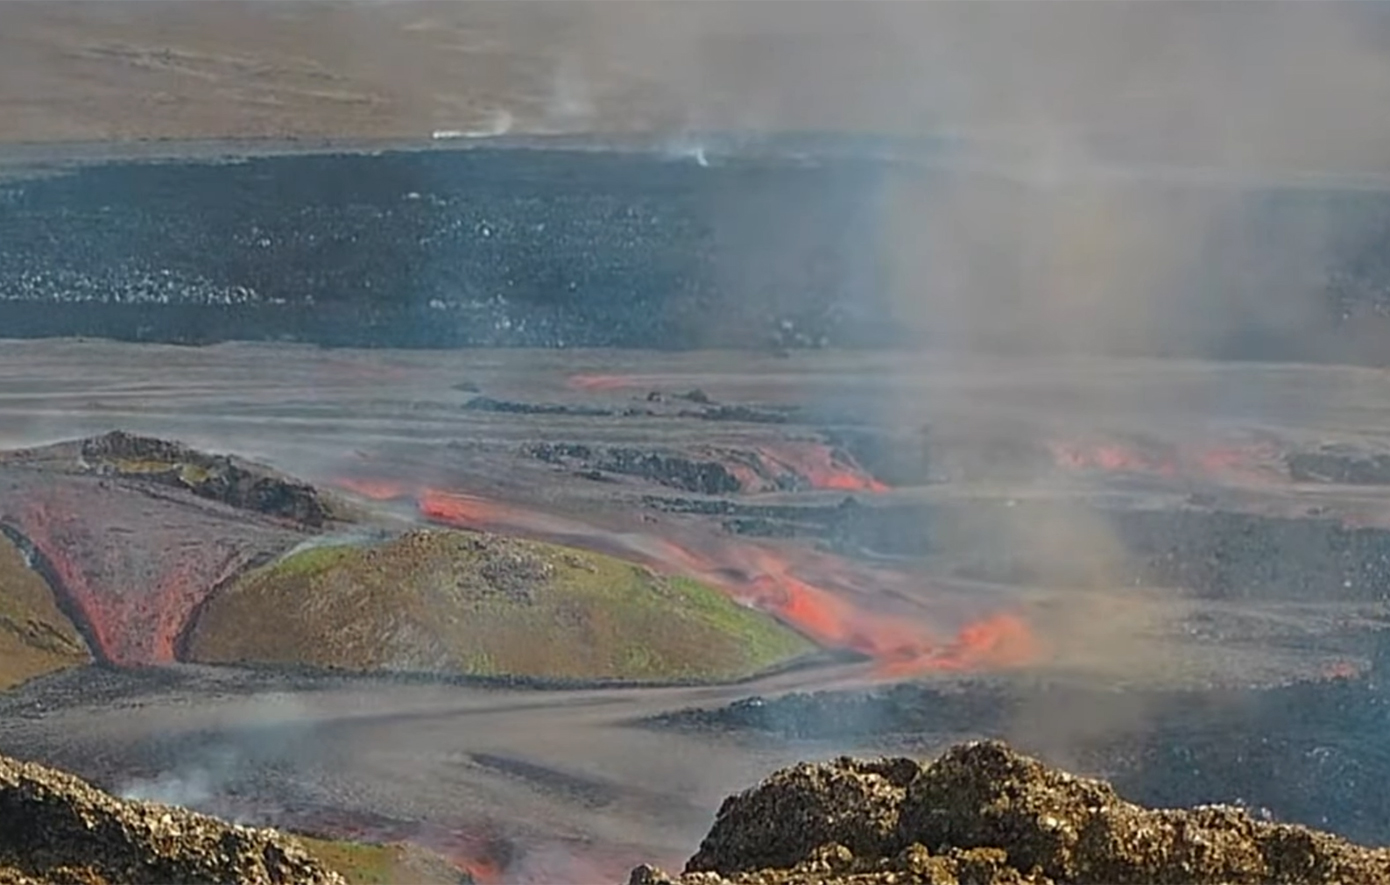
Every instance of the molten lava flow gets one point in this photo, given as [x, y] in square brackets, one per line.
[998, 641]
[52, 536]
[1248, 462]
[762, 578]
[822, 467]
[130, 625]
[132, 568]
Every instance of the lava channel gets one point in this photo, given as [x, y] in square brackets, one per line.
[755, 576]
[133, 568]
[1214, 462]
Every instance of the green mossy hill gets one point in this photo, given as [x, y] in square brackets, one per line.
[394, 864]
[58, 829]
[484, 605]
[985, 815]
[35, 636]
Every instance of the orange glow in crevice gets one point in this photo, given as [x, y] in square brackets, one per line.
[821, 466]
[1249, 462]
[761, 578]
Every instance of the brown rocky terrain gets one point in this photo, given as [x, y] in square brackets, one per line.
[982, 813]
[56, 828]
[243, 485]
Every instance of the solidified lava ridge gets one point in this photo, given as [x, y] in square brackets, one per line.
[985, 814]
[226, 479]
[711, 470]
[56, 828]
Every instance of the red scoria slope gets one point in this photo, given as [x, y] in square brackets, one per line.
[131, 559]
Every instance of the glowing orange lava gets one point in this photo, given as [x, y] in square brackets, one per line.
[822, 466]
[763, 578]
[1248, 462]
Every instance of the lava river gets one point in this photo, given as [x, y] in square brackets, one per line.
[761, 577]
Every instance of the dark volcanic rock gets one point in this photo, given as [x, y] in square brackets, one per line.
[218, 477]
[792, 247]
[57, 828]
[511, 407]
[712, 470]
[1340, 467]
[707, 477]
[853, 803]
[982, 813]
[476, 247]
[1311, 752]
[223, 478]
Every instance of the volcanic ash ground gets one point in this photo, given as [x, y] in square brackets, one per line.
[984, 814]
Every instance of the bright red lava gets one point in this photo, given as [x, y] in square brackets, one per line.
[129, 625]
[821, 466]
[761, 578]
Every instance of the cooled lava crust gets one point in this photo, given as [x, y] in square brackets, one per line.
[1308, 752]
[56, 829]
[984, 814]
[773, 247]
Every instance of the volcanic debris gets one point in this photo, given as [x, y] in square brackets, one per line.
[1345, 468]
[984, 814]
[56, 828]
[221, 478]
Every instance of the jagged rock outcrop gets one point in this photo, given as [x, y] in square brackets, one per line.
[56, 828]
[237, 483]
[984, 814]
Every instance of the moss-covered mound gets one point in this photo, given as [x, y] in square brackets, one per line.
[393, 864]
[985, 815]
[35, 636]
[483, 605]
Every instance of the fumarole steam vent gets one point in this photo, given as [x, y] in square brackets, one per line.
[56, 828]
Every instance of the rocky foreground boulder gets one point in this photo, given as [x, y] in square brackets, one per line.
[983, 814]
[56, 828]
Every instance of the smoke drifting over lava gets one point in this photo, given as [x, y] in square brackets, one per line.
[1083, 179]
[1113, 187]
[761, 577]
